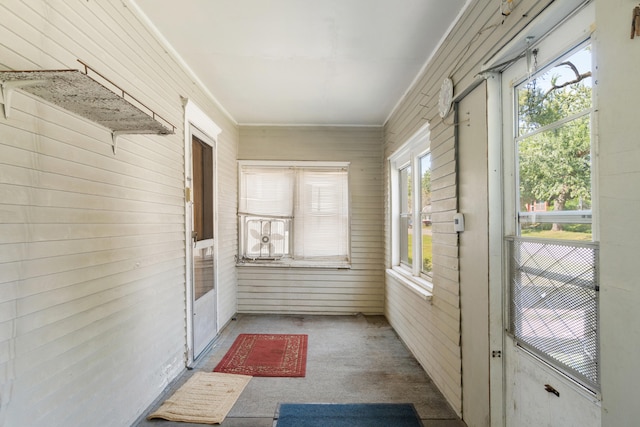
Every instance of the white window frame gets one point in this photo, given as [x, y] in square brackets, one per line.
[290, 260]
[574, 32]
[568, 216]
[409, 154]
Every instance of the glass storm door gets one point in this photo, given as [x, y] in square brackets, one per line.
[203, 289]
[551, 343]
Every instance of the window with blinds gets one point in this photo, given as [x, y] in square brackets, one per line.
[294, 211]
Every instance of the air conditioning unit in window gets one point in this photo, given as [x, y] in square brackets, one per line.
[266, 238]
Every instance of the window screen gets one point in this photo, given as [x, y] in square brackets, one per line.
[554, 304]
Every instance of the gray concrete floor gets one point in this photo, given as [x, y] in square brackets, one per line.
[350, 359]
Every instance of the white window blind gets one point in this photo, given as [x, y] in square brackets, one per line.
[267, 191]
[314, 200]
[321, 216]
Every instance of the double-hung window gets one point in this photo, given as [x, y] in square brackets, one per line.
[294, 213]
[411, 226]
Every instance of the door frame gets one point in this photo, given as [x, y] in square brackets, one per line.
[496, 250]
[196, 123]
[474, 274]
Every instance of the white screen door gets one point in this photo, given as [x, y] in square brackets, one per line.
[549, 349]
[203, 254]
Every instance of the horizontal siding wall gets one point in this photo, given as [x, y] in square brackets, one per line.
[308, 290]
[432, 330]
[92, 244]
[227, 223]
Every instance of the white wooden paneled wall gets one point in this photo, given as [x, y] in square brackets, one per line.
[306, 290]
[432, 329]
[92, 255]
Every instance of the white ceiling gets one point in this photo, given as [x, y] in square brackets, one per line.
[324, 62]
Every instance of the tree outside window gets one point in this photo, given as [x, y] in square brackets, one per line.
[554, 150]
[425, 213]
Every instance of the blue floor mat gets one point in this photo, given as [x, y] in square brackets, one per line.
[347, 415]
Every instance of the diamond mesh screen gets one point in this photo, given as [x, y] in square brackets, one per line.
[554, 304]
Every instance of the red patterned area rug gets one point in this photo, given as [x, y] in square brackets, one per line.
[266, 355]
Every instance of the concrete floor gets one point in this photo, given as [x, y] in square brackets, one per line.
[350, 359]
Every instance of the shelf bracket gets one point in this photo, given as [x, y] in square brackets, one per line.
[114, 138]
[8, 88]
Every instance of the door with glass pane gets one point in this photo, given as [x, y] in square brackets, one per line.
[203, 258]
[551, 345]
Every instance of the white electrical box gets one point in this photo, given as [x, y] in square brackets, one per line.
[458, 222]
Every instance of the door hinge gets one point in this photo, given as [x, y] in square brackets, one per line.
[496, 353]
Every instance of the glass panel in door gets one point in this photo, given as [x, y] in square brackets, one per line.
[203, 265]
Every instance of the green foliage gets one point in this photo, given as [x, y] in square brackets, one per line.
[426, 188]
[555, 165]
[538, 108]
[427, 249]
[560, 235]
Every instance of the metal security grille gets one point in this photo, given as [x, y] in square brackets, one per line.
[554, 304]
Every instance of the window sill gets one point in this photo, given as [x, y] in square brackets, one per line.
[418, 285]
[290, 263]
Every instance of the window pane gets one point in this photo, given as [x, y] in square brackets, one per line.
[299, 212]
[406, 238]
[202, 184]
[554, 150]
[555, 181]
[425, 212]
[570, 225]
[555, 94]
[321, 214]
